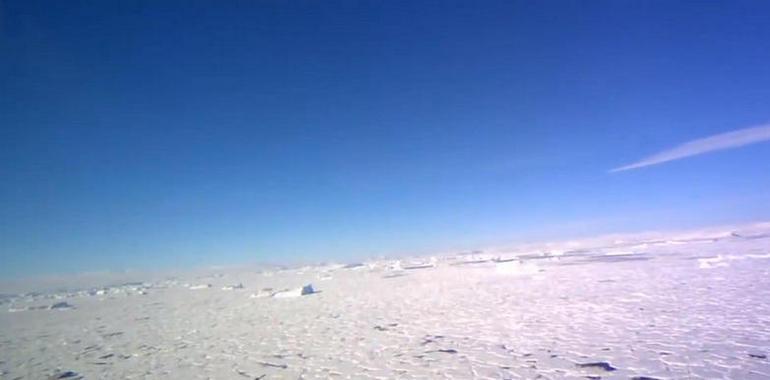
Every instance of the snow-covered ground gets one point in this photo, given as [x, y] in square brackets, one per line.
[668, 306]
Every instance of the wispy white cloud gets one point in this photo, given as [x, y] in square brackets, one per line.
[713, 143]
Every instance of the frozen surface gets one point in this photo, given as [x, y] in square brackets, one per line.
[697, 307]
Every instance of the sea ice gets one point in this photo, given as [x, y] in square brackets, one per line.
[516, 268]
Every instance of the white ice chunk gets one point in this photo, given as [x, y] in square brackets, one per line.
[305, 290]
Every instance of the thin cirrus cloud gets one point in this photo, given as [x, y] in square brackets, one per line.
[704, 145]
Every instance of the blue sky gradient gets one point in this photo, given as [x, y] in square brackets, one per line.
[171, 134]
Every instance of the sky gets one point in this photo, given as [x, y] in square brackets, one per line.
[143, 135]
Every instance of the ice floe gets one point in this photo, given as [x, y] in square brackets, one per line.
[61, 306]
[233, 287]
[305, 290]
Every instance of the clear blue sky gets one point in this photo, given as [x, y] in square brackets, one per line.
[169, 134]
